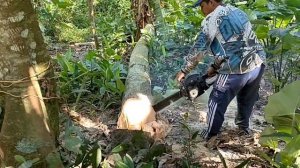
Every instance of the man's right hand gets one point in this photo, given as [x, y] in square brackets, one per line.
[211, 72]
[180, 76]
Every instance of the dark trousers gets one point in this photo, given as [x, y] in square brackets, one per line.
[245, 87]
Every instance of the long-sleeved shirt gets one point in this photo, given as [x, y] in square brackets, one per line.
[227, 34]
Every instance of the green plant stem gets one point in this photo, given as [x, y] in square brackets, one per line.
[80, 93]
[75, 78]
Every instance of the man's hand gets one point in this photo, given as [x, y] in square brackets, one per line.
[180, 76]
[211, 72]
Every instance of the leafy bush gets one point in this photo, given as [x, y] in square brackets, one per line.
[277, 25]
[283, 136]
[65, 21]
[102, 77]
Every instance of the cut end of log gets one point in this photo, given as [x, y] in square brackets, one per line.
[138, 114]
[135, 113]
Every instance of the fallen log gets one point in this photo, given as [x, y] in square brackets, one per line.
[137, 112]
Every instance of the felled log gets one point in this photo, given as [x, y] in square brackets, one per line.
[137, 112]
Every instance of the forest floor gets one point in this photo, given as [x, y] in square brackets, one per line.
[184, 118]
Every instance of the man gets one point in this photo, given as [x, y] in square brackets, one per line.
[227, 34]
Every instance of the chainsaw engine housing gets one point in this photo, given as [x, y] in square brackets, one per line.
[194, 85]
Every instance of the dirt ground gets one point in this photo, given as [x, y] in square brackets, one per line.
[233, 148]
[96, 125]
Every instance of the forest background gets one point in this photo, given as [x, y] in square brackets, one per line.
[90, 43]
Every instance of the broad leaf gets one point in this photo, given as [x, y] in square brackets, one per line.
[293, 3]
[284, 102]
[120, 148]
[280, 33]
[73, 144]
[260, 3]
[121, 165]
[266, 157]
[194, 136]
[287, 124]
[20, 158]
[262, 31]
[128, 161]
[291, 151]
[267, 138]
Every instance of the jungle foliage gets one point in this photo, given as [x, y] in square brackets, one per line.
[277, 25]
[99, 75]
[283, 136]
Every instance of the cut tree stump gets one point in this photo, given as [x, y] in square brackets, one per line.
[137, 112]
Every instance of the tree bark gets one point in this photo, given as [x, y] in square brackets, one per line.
[137, 101]
[142, 15]
[93, 22]
[26, 79]
[158, 16]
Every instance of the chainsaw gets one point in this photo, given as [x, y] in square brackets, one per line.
[191, 87]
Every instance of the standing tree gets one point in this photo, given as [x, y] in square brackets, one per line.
[27, 90]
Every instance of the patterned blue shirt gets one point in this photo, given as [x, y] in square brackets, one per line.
[227, 34]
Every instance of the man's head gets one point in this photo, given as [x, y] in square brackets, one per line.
[207, 6]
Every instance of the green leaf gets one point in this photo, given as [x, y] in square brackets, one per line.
[267, 138]
[284, 102]
[243, 164]
[280, 33]
[27, 164]
[291, 151]
[266, 157]
[287, 124]
[73, 144]
[120, 148]
[147, 165]
[90, 55]
[194, 136]
[291, 42]
[110, 51]
[53, 160]
[120, 85]
[293, 3]
[185, 126]
[262, 31]
[222, 159]
[62, 3]
[109, 74]
[98, 157]
[20, 158]
[155, 151]
[128, 161]
[260, 3]
[120, 164]
[185, 163]
[61, 61]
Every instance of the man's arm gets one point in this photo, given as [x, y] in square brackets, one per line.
[196, 54]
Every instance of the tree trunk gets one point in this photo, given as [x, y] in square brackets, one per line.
[30, 124]
[93, 22]
[159, 19]
[137, 101]
[142, 15]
